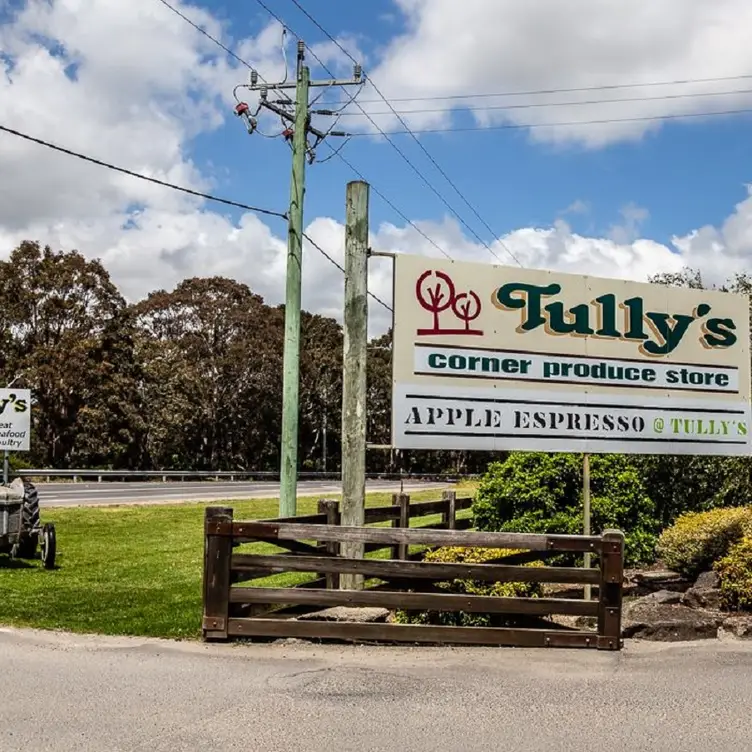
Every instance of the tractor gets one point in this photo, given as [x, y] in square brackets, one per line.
[21, 530]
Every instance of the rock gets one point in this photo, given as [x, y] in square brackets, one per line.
[347, 613]
[708, 580]
[648, 619]
[736, 628]
[664, 596]
[705, 593]
[660, 579]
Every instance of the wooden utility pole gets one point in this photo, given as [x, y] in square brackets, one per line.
[288, 491]
[354, 373]
[296, 114]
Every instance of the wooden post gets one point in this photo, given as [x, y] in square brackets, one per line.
[401, 500]
[330, 508]
[217, 570]
[354, 370]
[586, 513]
[450, 516]
[610, 590]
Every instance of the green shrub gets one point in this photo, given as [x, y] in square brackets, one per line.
[459, 555]
[542, 493]
[735, 572]
[698, 539]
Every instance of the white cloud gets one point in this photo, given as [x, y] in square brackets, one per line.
[452, 48]
[130, 83]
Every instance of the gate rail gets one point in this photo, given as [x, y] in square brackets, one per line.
[313, 545]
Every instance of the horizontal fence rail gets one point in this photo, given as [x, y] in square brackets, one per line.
[311, 545]
[232, 475]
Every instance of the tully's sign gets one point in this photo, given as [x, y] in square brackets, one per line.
[607, 317]
[657, 333]
[566, 362]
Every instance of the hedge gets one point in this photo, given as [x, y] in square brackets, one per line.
[698, 539]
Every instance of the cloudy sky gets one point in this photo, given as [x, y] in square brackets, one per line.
[616, 170]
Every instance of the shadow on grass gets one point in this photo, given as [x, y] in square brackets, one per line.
[7, 563]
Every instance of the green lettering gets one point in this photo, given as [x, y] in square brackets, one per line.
[437, 360]
[607, 316]
[528, 301]
[635, 323]
[580, 314]
[717, 332]
[671, 335]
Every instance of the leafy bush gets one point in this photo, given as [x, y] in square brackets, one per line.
[698, 539]
[460, 555]
[542, 493]
[735, 572]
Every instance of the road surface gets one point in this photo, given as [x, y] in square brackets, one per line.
[77, 494]
[67, 694]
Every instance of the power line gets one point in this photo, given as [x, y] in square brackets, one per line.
[572, 90]
[517, 126]
[570, 103]
[389, 203]
[342, 269]
[422, 147]
[216, 41]
[208, 196]
[336, 152]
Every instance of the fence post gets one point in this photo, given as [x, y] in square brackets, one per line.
[402, 501]
[449, 517]
[610, 590]
[330, 508]
[217, 571]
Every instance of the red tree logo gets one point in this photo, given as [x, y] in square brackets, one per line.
[438, 295]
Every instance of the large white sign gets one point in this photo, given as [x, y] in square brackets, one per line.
[15, 420]
[499, 358]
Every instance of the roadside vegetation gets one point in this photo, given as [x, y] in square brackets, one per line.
[131, 570]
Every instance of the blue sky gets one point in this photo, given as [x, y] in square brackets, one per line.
[686, 174]
[134, 84]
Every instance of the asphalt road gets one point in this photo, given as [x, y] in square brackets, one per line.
[62, 693]
[78, 494]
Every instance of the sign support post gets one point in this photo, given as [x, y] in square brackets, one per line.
[586, 513]
[354, 371]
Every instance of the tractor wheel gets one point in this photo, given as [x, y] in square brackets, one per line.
[30, 514]
[49, 546]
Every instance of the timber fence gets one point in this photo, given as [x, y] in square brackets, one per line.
[313, 545]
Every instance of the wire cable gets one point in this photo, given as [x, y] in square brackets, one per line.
[567, 124]
[342, 269]
[349, 101]
[571, 103]
[393, 207]
[208, 196]
[417, 141]
[216, 41]
[572, 90]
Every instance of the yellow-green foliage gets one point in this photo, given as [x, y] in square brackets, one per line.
[698, 539]
[735, 572]
[459, 555]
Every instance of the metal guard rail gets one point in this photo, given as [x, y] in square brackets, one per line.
[232, 475]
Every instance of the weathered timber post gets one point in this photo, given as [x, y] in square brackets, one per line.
[217, 569]
[449, 517]
[610, 590]
[354, 373]
[330, 508]
[402, 501]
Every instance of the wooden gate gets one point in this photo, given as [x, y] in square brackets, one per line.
[311, 545]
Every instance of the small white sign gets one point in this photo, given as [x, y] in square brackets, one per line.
[15, 420]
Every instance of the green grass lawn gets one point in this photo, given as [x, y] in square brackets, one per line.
[130, 570]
